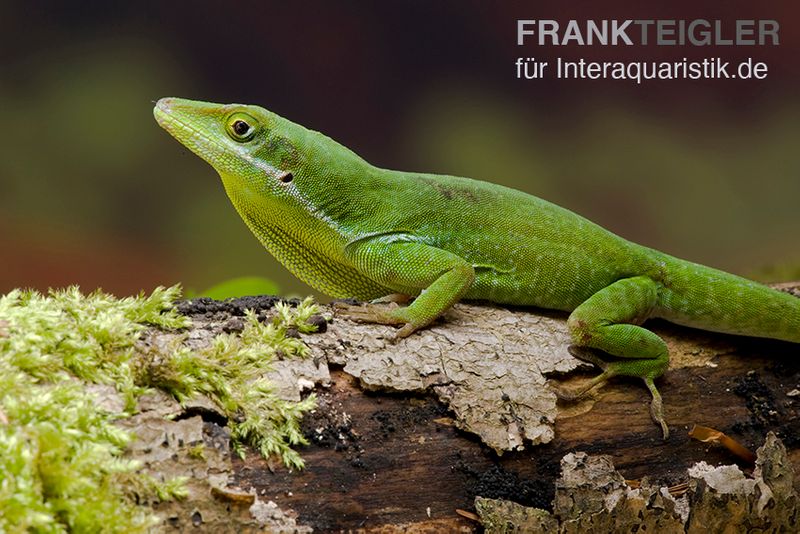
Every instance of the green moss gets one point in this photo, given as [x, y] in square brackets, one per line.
[61, 464]
[230, 372]
[198, 452]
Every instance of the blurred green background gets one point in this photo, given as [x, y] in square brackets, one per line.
[93, 192]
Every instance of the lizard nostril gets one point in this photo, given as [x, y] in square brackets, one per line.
[164, 104]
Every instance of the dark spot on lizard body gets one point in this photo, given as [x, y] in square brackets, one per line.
[285, 149]
[450, 192]
[661, 276]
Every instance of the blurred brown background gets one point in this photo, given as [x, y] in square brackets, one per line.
[93, 192]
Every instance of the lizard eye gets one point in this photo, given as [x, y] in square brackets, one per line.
[241, 127]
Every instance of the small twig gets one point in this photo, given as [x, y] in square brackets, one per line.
[469, 515]
[710, 435]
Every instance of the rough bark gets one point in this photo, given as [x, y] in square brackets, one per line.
[406, 433]
[591, 496]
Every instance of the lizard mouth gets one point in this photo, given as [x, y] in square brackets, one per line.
[193, 138]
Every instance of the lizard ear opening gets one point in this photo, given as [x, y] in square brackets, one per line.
[286, 177]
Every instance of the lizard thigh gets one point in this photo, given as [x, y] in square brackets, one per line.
[609, 321]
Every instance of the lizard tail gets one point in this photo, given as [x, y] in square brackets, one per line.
[702, 297]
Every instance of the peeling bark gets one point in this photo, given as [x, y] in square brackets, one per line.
[488, 364]
[591, 496]
[385, 454]
[170, 443]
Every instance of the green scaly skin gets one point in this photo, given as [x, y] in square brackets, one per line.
[350, 229]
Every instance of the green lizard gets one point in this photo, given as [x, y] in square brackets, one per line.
[350, 229]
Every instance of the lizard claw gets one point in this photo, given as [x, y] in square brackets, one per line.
[405, 331]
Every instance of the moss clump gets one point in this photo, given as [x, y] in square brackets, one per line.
[61, 464]
[231, 373]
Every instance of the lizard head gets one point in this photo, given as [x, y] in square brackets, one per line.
[251, 148]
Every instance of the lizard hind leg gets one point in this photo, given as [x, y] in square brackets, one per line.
[608, 323]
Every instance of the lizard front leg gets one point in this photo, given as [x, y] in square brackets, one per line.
[608, 322]
[437, 276]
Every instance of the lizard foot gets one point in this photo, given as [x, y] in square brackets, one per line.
[646, 369]
[657, 407]
[576, 393]
[377, 314]
[590, 356]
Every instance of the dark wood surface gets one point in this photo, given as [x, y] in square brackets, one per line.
[398, 463]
